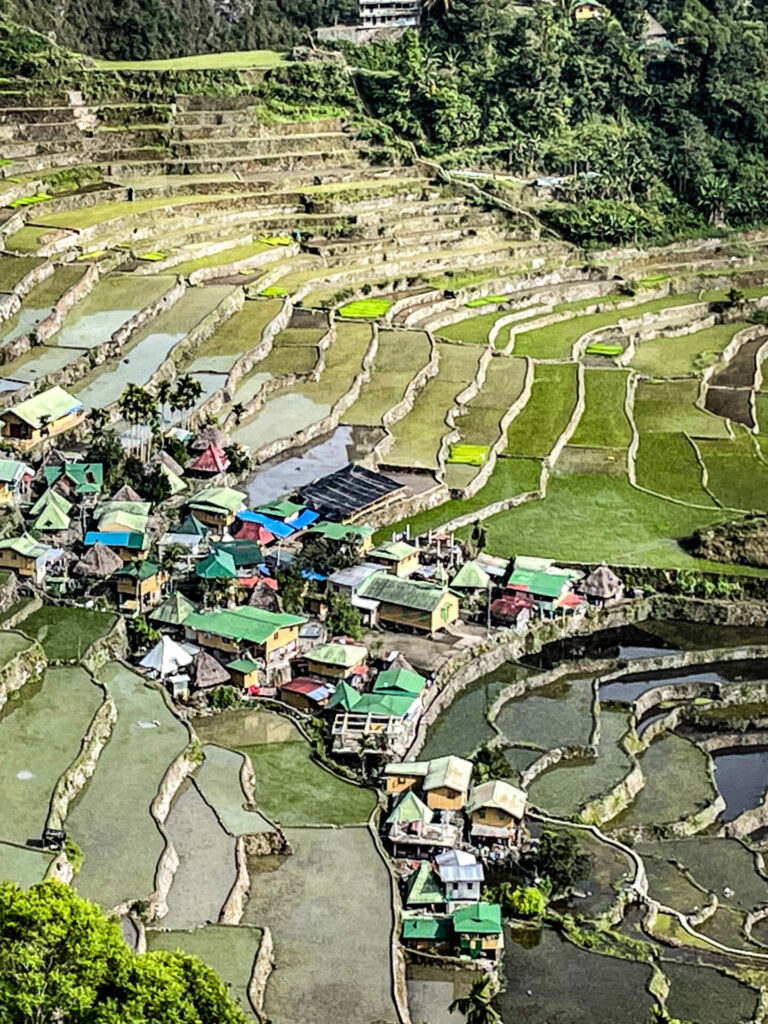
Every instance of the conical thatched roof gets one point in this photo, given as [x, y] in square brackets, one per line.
[264, 597]
[99, 561]
[602, 583]
[210, 436]
[126, 493]
[208, 672]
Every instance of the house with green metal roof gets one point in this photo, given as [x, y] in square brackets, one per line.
[410, 604]
[424, 889]
[358, 535]
[471, 576]
[75, 478]
[344, 697]
[44, 415]
[174, 611]
[15, 478]
[217, 565]
[428, 931]
[478, 930]
[28, 557]
[217, 506]
[397, 557]
[548, 586]
[337, 661]
[409, 811]
[140, 586]
[399, 682]
[51, 513]
[252, 632]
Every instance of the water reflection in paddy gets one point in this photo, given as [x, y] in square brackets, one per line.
[742, 778]
[630, 687]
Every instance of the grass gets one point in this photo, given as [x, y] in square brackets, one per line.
[26, 239]
[89, 216]
[538, 425]
[33, 200]
[667, 464]
[230, 60]
[417, 435]
[490, 300]
[686, 355]
[557, 340]
[399, 357]
[503, 385]
[14, 268]
[737, 478]
[604, 423]
[368, 308]
[591, 518]
[667, 406]
[242, 331]
[509, 477]
[65, 632]
[473, 330]
[274, 291]
[598, 348]
[222, 258]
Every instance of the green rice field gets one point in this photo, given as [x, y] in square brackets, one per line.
[66, 633]
[539, 424]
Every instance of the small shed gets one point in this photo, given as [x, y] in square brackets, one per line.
[305, 693]
[165, 658]
[244, 672]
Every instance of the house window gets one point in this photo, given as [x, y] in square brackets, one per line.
[481, 812]
[444, 613]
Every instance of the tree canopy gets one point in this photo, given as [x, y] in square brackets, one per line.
[62, 959]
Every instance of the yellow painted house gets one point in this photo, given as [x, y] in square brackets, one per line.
[246, 630]
[398, 557]
[51, 412]
[409, 603]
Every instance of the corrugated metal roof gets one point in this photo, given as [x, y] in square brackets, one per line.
[54, 403]
[244, 623]
[449, 771]
[405, 593]
[343, 655]
[500, 795]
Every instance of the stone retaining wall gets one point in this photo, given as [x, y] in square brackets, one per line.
[262, 968]
[10, 303]
[260, 259]
[24, 667]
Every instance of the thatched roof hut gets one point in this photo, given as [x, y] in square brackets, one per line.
[264, 597]
[602, 585]
[126, 493]
[210, 436]
[207, 672]
[100, 561]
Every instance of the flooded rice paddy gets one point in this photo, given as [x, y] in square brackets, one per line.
[111, 303]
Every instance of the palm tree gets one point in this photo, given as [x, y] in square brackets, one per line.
[238, 458]
[186, 394]
[98, 418]
[477, 1007]
[45, 431]
[238, 411]
[164, 389]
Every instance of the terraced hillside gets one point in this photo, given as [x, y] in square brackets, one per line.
[309, 286]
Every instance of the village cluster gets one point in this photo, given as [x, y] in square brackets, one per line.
[202, 571]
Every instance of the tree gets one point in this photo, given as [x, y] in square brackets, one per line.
[558, 858]
[477, 1007]
[219, 592]
[186, 393]
[324, 556]
[238, 411]
[98, 419]
[62, 959]
[238, 458]
[490, 763]
[291, 586]
[107, 449]
[164, 389]
[343, 618]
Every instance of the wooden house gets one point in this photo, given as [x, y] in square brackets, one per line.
[337, 661]
[128, 544]
[44, 415]
[244, 673]
[15, 479]
[398, 557]
[428, 932]
[305, 694]
[406, 603]
[27, 557]
[80, 479]
[139, 587]
[246, 630]
[401, 777]
[446, 783]
[495, 810]
[217, 506]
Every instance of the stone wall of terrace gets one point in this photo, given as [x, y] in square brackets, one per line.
[10, 303]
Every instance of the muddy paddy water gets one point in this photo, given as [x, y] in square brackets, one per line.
[112, 302]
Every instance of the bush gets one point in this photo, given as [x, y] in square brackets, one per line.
[225, 697]
[74, 854]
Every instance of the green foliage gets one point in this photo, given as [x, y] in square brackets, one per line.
[558, 858]
[74, 854]
[291, 587]
[489, 763]
[144, 633]
[478, 1007]
[176, 449]
[343, 618]
[107, 449]
[63, 959]
[527, 902]
[238, 458]
[225, 697]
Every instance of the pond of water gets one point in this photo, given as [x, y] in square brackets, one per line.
[112, 302]
[555, 982]
[703, 995]
[741, 775]
[431, 990]
[280, 417]
[629, 687]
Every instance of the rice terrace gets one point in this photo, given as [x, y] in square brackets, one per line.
[383, 520]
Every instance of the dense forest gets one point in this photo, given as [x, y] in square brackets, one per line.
[139, 29]
[664, 137]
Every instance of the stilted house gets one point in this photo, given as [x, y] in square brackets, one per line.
[140, 587]
[44, 415]
[602, 586]
[15, 479]
[495, 810]
[27, 557]
[337, 661]
[208, 673]
[245, 630]
[397, 557]
[420, 607]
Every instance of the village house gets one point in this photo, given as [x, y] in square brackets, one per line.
[495, 810]
[276, 528]
[190, 534]
[51, 513]
[245, 673]
[246, 555]
[398, 557]
[409, 604]
[404, 776]
[337, 661]
[549, 586]
[292, 514]
[478, 930]
[15, 479]
[27, 557]
[415, 831]
[388, 722]
[446, 783]
[347, 582]
[166, 658]
[99, 562]
[217, 565]
[80, 479]
[602, 586]
[305, 694]
[217, 506]
[424, 891]
[210, 462]
[44, 415]
[270, 636]
[173, 613]
[125, 543]
[513, 610]
[462, 876]
[359, 536]
[400, 682]
[429, 933]
[140, 587]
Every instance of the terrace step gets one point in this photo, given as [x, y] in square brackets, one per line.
[262, 146]
[277, 162]
[36, 115]
[212, 125]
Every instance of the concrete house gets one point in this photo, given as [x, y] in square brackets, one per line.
[462, 876]
[347, 583]
[52, 411]
[253, 631]
[407, 603]
[478, 931]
